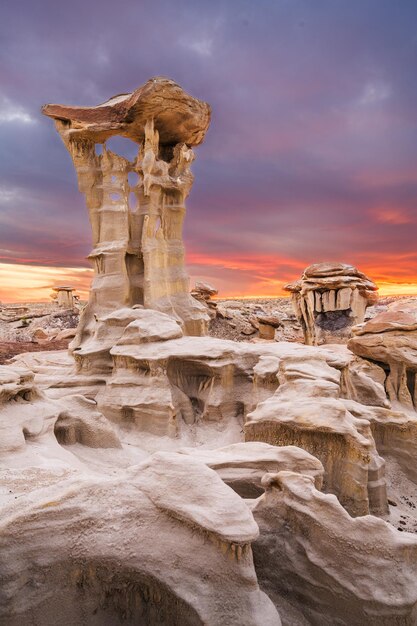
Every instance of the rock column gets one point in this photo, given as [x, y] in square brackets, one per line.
[138, 251]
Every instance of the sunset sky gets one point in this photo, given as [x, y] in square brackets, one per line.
[311, 154]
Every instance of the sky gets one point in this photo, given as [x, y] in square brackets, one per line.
[311, 154]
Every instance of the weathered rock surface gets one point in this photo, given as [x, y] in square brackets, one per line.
[335, 569]
[390, 338]
[329, 299]
[138, 252]
[112, 548]
[242, 466]
[127, 492]
[178, 117]
[211, 386]
[306, 411]
[203, 291]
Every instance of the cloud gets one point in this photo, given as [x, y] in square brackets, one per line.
[312, 149]
[202, 46]
[396, 217]
[374, 93]
[8, 195]
[14, 113]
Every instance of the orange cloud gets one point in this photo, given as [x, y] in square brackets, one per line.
[235, 276]
[33, 283]
[396, 217]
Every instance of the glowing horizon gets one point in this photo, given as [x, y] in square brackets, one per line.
[314, 161]
[34, 283]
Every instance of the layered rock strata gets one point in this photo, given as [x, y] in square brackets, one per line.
[306, 411]
[390, 339]
[138, 253]
[128, 493]
[329, 299]
[335, 569]
[203, 292]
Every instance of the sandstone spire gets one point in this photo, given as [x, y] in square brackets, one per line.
[138, 252]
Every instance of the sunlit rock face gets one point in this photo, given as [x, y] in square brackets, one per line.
[329, 299]
[306, 410]
[137, 207]
[390, 339]
[152, 477]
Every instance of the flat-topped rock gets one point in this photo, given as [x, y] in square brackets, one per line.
[178, 117]
[400, 316]
[321, 270]
[137, 206]
[329, 299]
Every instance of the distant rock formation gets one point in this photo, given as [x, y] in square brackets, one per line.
[203, 292]
[329, 299]
[64, 296]
[138, 252]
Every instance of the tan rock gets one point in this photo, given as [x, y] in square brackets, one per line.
[64, 297]
[335, 569]
[40, 335]
[306, 411]
[329, 299]
[67, 333]
[242, 466]
[168, 541]
[103, 521]
[138, 253]
[203, 291]
[391, 338]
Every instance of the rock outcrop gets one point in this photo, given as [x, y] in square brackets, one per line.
[306, 411]
[203, 292]
[335, 569]
[329, 299]
[138, 253]
[390, 338]
[154, 477]
[165, 543]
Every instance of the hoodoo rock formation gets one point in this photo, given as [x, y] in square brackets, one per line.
[329, 299]
[154, 477]
[138, 253]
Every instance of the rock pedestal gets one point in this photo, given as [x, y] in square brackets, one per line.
[329, 299]
[138, 253]
[64, 297]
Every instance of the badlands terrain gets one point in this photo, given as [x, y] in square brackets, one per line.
[191, 460]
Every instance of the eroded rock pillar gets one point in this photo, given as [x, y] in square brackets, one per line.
[138, 251]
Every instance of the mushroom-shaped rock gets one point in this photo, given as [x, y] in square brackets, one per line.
[329, 299]
[267, 324]
[137, 207]
[204, 291]
[178, 117]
